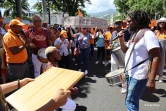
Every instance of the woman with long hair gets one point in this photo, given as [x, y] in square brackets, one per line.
[161, 35]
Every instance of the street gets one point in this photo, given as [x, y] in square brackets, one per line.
[96, 95]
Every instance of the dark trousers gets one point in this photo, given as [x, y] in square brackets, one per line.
[91, 50]
[84, 58]
[18, 71]
[65, 62]
[31, 66]
[100, 51]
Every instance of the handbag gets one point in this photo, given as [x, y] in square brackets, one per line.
[76, 51]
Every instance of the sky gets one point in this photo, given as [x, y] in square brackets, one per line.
[97, 5]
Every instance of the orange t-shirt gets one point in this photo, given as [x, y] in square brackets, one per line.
[10, 40]
[107, 37]
[92, 41]
[92, 32]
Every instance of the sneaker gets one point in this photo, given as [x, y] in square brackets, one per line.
[123, 91]
[160, 79]
[97, 62]
[106, 63]
[75, 64]
[79, 70]
[86, 72]
[103, 62]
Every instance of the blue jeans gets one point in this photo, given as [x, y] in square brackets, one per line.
[162, 55]
[84, 58]
[134, 91]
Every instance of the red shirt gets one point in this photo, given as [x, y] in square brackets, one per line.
[39, 39]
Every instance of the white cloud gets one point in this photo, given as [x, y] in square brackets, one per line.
[96, 5]
[99, 5]
[32, 2]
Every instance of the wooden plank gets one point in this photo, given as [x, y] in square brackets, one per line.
[39, 92]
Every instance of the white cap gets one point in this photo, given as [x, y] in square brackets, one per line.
[162, 19]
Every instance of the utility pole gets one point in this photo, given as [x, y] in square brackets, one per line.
[0, 14]
[18, 8]
[44, 9]
[49, 14]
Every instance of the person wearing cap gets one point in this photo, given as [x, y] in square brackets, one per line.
[16, 53]
[63, 45]
[115, 63]
[161, 35]
[40, 39]
[107, 37]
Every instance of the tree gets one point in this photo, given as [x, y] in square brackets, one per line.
[10, 6]
[155, 8]
[122, 7]
[69, 6]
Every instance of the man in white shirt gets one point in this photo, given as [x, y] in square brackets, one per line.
[148, 45]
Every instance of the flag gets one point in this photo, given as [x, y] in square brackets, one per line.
[80, 13]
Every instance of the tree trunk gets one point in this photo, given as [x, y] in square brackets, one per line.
[18, 8]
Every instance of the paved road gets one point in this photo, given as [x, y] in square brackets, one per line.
[96, 95]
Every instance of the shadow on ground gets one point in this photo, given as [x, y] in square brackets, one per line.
[149, 97]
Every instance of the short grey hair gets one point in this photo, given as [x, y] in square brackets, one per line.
[35, 16]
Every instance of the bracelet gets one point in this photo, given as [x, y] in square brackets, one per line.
[18, 84]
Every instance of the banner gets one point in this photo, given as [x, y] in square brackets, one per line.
[87, 22]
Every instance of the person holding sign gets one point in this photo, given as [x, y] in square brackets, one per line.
[84, 45]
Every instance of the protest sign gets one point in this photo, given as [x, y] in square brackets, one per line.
[88, 22]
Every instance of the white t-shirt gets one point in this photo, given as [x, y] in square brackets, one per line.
[140, 53]
[63, 50]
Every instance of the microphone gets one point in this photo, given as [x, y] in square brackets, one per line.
[118, 36]
[22, 32]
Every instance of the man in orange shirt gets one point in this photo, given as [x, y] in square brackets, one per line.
[92, 43]
[107, 37]
[16, 53]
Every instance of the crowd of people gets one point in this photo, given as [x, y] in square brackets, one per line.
[20, 58]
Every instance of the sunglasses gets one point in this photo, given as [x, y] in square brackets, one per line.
[128, 21]
[37, 20]
[161, 22]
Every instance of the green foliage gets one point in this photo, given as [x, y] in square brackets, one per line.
[10, 8]
[118, 17]
[155, 8]
[26, 18]
[70, 6]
